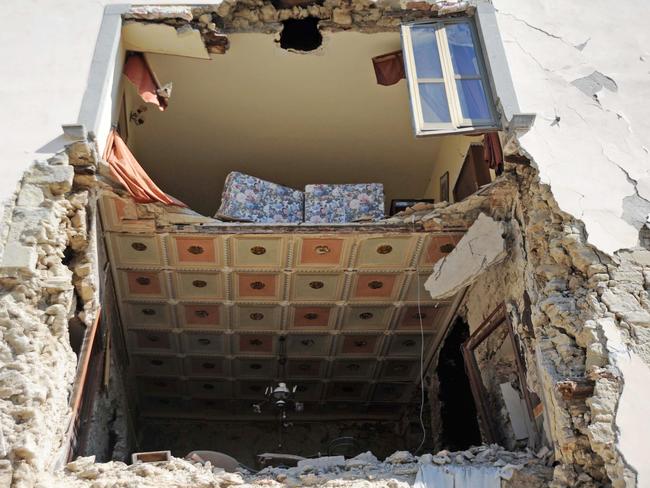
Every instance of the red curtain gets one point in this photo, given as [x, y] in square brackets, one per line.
[138, 71]
[389, 68]
[492, 153]
[126, 169]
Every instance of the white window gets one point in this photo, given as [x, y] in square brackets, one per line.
[446, 76]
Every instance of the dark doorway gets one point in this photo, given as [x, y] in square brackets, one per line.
[458, 414]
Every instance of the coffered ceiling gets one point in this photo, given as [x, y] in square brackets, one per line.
[206, 315]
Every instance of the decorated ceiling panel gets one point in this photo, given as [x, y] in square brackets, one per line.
[207, 314]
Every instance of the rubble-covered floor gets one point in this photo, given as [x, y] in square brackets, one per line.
[522, 470]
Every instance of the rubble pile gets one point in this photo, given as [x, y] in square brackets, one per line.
[521, 469]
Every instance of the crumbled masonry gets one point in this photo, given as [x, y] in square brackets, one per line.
[524, 469]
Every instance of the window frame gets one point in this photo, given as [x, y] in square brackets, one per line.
[458, 123]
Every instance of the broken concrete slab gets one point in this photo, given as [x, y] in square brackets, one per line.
[481, 247]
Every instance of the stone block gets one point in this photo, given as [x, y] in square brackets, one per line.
[81, 153]
[18, 259]
[30, 196]
[57, 178]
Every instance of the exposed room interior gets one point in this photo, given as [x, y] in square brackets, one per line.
[291, 117]
[300, 340]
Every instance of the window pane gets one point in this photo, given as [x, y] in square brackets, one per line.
[434, 103]
[473, 101]
[461, 46]
[425, 52]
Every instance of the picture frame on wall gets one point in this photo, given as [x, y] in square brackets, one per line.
[444, 187]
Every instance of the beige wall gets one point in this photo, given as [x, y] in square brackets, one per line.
[449, 159]
[291, 118]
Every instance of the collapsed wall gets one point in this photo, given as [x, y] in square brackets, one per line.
[581, 316]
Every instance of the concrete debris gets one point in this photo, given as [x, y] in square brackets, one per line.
[481, 247]
[398, 470]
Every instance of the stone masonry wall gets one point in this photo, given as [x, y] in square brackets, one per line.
[47, 277]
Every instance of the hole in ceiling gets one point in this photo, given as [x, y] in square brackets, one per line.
[360, 343]
[255, 342]
[301, 34]
[366, 315]
[208, 386]
[316, 285]
[201, 313]
[208, 365]
[255, 366]
[142, 280]
[256, 316]
[148, 311]
[311, 316]
[307, 342]
[199, 283]
[257, 285]
[204, 342]
[375, 285]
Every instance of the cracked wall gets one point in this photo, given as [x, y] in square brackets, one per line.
[590, 141]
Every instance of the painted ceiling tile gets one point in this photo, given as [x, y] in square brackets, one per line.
[386, 252]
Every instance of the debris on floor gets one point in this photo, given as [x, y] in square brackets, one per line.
[516, 469]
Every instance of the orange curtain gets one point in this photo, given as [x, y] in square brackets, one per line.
[138, 71]
[126, 169]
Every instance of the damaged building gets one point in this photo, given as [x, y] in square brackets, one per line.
[326, 243]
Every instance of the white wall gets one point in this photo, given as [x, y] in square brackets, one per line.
[46, 47]
[595, 157]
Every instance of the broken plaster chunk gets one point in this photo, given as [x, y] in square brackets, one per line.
[152, 12]
[400, 457]
[341, 16]
[481, 247]
[324, 462]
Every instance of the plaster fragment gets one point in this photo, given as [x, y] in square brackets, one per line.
[482, 246]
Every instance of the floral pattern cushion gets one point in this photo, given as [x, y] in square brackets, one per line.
[251, 199]
[339, 204]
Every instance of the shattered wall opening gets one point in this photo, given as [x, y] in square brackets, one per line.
[300, 34]
[587, 311]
